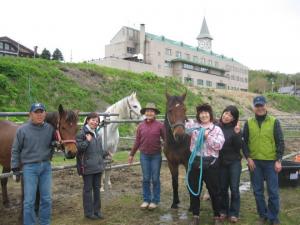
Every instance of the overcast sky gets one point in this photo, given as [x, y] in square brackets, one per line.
[261, 34]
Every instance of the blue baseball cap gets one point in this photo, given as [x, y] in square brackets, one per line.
[259, 100]
[36, 106]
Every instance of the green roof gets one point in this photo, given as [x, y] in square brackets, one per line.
[188, 47]
[198, 64]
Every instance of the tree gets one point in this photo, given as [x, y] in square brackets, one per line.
[46, 54]
[57, 55]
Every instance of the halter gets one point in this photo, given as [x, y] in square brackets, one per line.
[58, 136]
[131, 110]
[173, 126]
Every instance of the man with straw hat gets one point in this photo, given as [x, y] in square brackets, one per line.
[148, 141]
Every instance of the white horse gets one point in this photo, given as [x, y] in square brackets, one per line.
[127, 108]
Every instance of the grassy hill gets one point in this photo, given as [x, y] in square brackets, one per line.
[89, 87]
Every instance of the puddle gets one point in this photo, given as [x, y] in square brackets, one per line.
[171, 217]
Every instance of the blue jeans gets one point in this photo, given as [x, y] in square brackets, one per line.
[37, 175]
[230, 178]
[264, 170]
[151, 175]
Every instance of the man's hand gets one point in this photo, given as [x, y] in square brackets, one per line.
[130, 159]
[16, 174]
[277, 166]
[251, 164]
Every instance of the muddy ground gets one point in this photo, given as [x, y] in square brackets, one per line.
[121, 204]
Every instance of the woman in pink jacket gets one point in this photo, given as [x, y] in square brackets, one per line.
[209, 152]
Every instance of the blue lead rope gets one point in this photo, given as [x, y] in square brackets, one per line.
[197, 149]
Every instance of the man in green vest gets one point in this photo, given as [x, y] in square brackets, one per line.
[263, 148]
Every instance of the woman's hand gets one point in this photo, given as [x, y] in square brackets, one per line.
[206, 133]
[89, 137]
[237, 128]
[251, 164]
[130, 159]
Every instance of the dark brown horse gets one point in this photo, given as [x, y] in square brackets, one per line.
[177, 141]
[65, 124]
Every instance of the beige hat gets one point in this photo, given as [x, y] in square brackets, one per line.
[152, 106]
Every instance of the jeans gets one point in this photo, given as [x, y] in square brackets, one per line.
[151, 175]
[91, 194]
[211, 177]
[37, 175]
[264, 170]
[230, 178]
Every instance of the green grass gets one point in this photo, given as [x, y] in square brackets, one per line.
[285, 103]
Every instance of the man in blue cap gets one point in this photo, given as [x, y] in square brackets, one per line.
[263, 148]
[32, 151]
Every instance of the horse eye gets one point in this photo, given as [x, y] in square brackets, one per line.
[135, 106]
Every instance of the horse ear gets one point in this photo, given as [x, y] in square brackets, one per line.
[77, 112]
[184, 95]
[60, 109]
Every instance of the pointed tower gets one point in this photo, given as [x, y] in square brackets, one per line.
[204, 38]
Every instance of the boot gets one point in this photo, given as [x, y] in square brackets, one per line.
[195, 221]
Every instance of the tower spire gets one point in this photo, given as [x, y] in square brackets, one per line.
[204, 38]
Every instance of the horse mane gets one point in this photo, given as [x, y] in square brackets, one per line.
[71, 116]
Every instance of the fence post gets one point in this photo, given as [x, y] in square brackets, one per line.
[105, 173]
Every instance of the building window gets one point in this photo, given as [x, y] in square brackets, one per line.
[130, 50]
[210, 62]
[178, 54]
[188, 66]
[246, 80]
[232, 77]
[237, 78]
[208, 83]
[168, 64]
[195, 58]
[200, 82]
[158, 53]
[187, 56]
[158, 66]
[6, 46]
[168, 51]
[1, 45]
[203, 60]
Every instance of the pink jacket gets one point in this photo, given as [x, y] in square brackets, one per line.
[214, 142]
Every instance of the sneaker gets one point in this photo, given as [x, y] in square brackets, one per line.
[144, 205]
[152, 206]
[99, 215]
[195, 220]
[223, 216]
[91, 217]
[233, 219]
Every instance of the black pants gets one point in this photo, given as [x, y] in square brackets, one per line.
[91, 194]
[212, 180]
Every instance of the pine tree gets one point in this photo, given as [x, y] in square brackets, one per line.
[46, 54]
[57, 55]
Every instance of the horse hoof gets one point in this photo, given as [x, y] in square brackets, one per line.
[102, 189]
[6, 204]
[174, 206]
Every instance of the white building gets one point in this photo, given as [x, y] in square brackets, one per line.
[138, 51]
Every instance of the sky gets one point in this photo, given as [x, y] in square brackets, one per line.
[261, 34]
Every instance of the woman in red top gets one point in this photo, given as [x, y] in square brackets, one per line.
[148, 142]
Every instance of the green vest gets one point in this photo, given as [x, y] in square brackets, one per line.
[261, 140]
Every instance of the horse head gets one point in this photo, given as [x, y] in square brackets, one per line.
[66, 131]
[133, 106]
[176, 115]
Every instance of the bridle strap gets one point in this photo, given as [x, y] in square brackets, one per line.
[58, 136]
[131, 110]
[173, 126]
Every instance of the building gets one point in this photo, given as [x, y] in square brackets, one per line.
[9, 47]
[138, 51]
[289, 90]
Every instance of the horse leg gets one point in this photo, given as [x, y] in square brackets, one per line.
[174, 173]
[4, 188]
[108, 172]
[102, 181]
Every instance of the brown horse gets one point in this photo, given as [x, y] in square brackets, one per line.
[65, 124]
[177, 141]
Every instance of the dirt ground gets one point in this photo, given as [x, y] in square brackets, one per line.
[120, 205]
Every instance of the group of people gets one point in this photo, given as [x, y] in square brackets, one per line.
[262, 145]
[220, 155]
